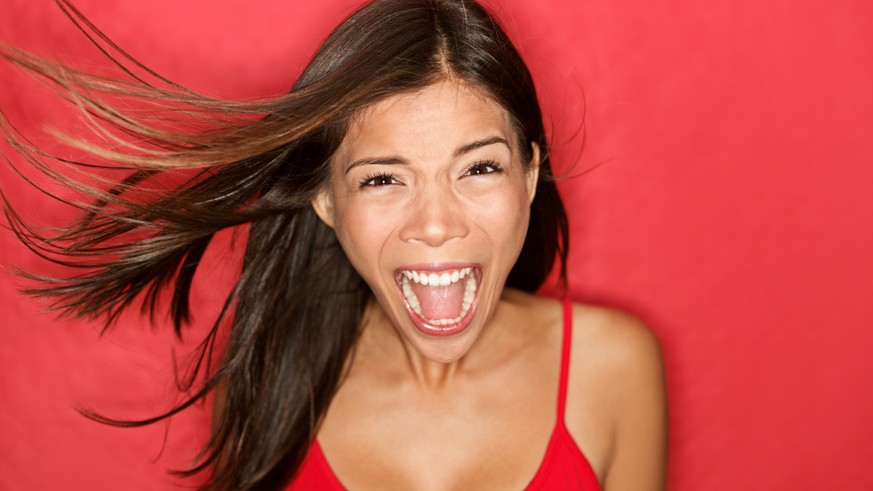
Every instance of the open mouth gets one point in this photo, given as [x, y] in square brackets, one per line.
[440, 302]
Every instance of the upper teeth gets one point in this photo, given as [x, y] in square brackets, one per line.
[441, 279]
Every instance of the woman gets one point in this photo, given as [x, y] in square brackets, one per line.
[384, 334]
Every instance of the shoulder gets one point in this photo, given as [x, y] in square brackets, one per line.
[620, 346]
[615, 344]
[616, 341]
[609, 337]
[617, 387]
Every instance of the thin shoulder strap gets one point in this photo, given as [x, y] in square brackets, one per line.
[565, 358]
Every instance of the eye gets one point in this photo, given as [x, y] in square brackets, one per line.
[378, 180]
[484, 167]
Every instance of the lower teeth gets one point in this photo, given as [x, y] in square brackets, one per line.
[469, 295]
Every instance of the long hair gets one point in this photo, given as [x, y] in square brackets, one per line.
[297, 306]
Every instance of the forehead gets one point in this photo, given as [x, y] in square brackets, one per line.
[427, 122]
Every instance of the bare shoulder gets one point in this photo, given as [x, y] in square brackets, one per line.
[616, 402]
[617, 346]
[616, 340]
[611, 339]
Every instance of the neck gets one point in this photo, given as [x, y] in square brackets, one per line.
[384, 345]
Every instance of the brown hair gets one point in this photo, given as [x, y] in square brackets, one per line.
[297, 305]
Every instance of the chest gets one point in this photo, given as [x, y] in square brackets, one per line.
[482, 436]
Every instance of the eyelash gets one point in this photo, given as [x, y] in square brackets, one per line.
[494, 166]
[389, 179]
[369, 181]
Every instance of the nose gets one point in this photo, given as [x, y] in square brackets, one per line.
[434, 217]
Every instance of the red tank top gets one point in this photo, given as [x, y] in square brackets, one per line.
[563, 468]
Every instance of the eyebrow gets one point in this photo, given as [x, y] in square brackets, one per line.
[463, 149]
[479, 144]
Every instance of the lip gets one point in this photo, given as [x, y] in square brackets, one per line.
[436, 267]
[419, 322]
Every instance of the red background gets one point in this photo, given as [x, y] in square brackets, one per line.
[729, 206]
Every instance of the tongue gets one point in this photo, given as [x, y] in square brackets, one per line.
[440, 302]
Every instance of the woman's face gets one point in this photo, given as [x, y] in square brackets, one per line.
[430, 200]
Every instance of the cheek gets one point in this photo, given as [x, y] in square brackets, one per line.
[363, 228]
[503, 214]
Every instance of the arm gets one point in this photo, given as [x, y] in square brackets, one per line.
[616, 402]
[639, 407]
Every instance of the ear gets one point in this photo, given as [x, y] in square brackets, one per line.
[532, 173]
[322, 203]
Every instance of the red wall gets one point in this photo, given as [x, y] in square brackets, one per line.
[728, 203]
